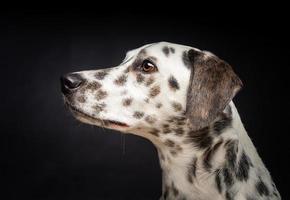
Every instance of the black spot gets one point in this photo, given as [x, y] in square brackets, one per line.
[93, 85]
[154, 91]
[177, 106]
[201, 138]
[178, 131]
[99, 107]
[221, 125]
[169, 143]
[218, 181]
[186, 60]
[121, 80]
[172, 50]
[173, 84]
[158, 105]
[149, 119]
[166, 130]
[231, 153]
[228, 178]
[81, 99]
[242, 172]
[209, 154]
[101, 94]
[165, 50]
[154, 131]
[138, 114]
[101, 75]
[140, 78]
[262, 188]
[127, 101]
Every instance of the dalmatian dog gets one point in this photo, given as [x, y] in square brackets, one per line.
[179, 98]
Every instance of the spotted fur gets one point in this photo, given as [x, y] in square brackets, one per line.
[185, 108]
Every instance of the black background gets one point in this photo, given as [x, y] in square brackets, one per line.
[46, 154]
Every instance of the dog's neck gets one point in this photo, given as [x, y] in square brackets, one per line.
[200, 164]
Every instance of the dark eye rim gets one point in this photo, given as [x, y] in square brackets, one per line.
[147, 61]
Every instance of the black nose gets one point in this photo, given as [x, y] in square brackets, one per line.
[70, 82]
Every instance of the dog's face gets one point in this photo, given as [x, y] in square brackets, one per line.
[151, 86]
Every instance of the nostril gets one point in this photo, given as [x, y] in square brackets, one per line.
[69, 82]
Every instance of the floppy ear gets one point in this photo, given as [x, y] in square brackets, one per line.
[212, 86]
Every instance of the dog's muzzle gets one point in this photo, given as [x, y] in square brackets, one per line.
[70, 83]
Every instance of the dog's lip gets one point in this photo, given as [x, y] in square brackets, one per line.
[105, 122]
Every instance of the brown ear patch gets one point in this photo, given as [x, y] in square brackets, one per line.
[212, 86]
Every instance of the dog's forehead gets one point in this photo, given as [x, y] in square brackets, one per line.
[157, 49]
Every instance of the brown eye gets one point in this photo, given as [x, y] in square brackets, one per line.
[148, 66]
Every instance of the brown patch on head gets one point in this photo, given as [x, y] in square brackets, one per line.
[140, 78]
[93, 86]
[212, 86]
[177, 106]
[149, 119]
[154, 91]
[138, 114]
[173, 84]
[121, 80]
[150, 80]
[101, 75]
[158, 105]
[101, 94]
[81, 99]
[127, 101]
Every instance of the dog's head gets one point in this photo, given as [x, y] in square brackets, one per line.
[157, 83]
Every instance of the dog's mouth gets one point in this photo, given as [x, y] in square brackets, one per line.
[94, 120]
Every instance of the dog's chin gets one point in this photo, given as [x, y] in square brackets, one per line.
[88, 119]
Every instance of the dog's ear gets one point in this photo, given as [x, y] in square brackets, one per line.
[212, 86]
